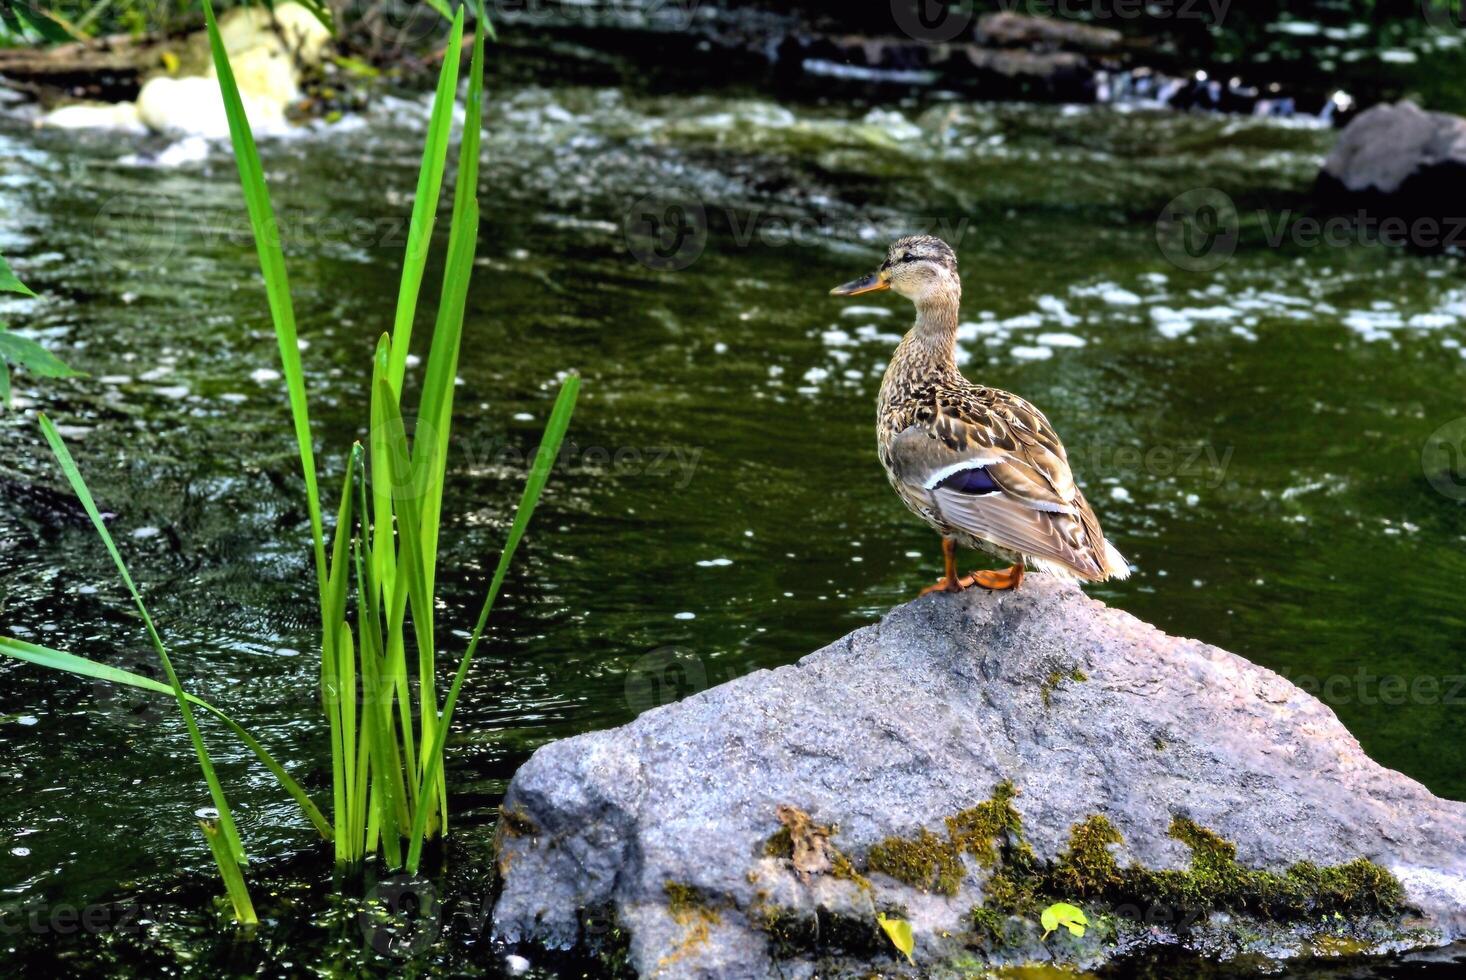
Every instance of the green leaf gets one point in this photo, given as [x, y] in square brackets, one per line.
[8, 282]
[42, 23]
[244, 909]
[277, 284]
[899, 932]
[539, 474]
[82, 667]
[1063, 914]
[33, 357]
[425, 203]
[206, 764]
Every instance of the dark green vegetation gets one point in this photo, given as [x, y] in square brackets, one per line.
[388, 788]
[1014, 882]
[21, 351]
[1020, 884]
[700, 439]
[931, 862]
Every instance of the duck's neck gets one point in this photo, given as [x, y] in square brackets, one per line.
[930, 346]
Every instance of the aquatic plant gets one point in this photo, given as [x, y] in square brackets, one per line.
[17, 350]
[387, 732]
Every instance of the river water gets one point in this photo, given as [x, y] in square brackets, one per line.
[1261, 430]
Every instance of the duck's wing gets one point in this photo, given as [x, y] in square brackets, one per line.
[990, 464]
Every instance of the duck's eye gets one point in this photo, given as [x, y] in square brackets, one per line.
[908, 257]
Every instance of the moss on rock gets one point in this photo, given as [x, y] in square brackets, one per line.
[1087, 871]
[1057, 677]
[1215, 881]
[930, 862]
[926, 862]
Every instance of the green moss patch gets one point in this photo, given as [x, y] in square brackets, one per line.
[930, 862]
[687, 903]
[926, 862]
[1088, 872]
[1057, 677]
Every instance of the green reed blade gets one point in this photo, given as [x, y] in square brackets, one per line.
[244, 909]
[425, 204]
[386, 785]
[378, 693]
[534, 485]
[379, 443]
[410, 581]
[436, 406]
[79, 487]
[390, 454]
[80, 666]
[339, 682]
[357, 742]
[277, 283]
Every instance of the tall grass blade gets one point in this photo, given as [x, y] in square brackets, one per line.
[338, 674]
[435, 409]
[277, 283]
[425, 204]
[244, 909]
[534, 485]
[82, 667]
[79, 487]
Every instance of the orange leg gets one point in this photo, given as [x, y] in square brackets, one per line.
[949, 581]
[1008, 578]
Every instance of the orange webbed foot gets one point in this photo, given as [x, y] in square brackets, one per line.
[998, 581]
[946, 585]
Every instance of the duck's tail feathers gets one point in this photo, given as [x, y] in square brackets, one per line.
[1115, 564]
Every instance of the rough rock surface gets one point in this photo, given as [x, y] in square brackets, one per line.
[1401, 161]
[659, 831]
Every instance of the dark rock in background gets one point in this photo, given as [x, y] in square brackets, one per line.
[1401, 162]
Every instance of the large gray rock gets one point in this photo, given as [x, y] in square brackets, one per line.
[659, 832]
[1387, 145]
[1399, 171]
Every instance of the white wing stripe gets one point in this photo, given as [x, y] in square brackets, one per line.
[947, 471]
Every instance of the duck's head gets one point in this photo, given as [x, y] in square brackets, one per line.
[921, 268]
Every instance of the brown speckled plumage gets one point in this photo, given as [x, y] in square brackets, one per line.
[980, 465]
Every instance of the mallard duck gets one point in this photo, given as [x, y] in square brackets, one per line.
[981, 466]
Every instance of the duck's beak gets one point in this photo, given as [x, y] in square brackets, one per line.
[873, 283]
